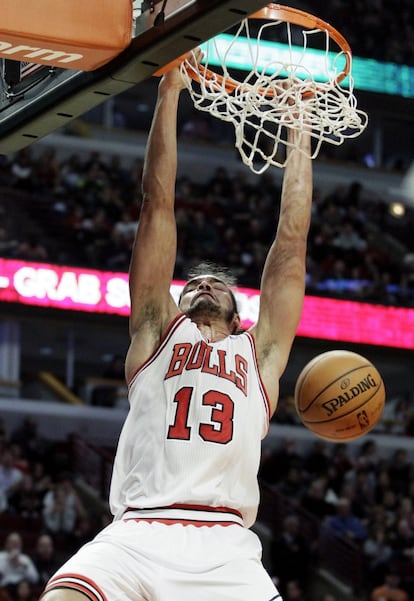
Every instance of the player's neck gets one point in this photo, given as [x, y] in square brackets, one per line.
[213, 331]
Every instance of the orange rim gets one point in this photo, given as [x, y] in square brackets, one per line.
[274, 12]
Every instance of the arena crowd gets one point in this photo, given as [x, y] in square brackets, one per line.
[357, 494]
[85, 213]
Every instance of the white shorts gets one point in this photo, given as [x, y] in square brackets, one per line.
[138, 560]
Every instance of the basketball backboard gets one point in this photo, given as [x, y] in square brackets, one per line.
[38, 99]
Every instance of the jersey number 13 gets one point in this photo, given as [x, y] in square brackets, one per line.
[220, 430]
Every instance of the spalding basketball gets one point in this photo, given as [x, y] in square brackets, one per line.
[339, 396]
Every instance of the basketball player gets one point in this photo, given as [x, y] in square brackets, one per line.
[184, 489]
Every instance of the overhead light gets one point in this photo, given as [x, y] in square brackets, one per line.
[397, 209]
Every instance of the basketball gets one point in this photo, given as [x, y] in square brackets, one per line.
[339, 396]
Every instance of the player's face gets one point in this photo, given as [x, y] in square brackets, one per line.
[207, 294]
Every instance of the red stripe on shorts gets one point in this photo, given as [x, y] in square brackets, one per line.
[205, 508]
[170, 521]
[79, 583]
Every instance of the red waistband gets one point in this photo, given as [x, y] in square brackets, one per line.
[189, 507]
[223, 516]
[172, 521]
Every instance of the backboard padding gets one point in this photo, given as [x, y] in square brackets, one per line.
[67, 94]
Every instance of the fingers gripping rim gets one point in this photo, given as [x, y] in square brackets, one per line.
[299, 17]
[271, 12]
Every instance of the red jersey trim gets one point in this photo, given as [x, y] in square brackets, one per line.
[259, 377]
[176, 321]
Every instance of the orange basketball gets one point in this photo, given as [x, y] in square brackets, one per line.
[339, 396]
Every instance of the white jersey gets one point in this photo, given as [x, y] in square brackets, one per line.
[192, 437]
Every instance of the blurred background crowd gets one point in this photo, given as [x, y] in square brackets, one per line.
[357, 498]
[84, 212]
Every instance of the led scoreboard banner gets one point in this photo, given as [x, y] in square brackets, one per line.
[104, 292]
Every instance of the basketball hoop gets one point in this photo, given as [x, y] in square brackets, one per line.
[286, 84]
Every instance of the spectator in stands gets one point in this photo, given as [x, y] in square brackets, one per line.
[19, 461]
[115, 252]
[25, 500]
[46, 170]
[86, 529]
[31, 249]
[338, 470]
[400, 472]
[294, 592]
[402, 542]
[59, 516]
[380, 289]
[328, 597]
[343, 460]
[358, 488]
[390, 590]
[368, 453]
[23, 591]
[390, 506]
[203, 234]
[337, 272]
[21, 169]
[27, 436]
[348, 239]
[15, 565]
[8, 243]
[406, 510]
[290, 555]
[314, 499]
[10, 476]
[276, 463]
[293, 484]
[382, 483]
[317, 459]
[377, 554]
[394, 415]
[45, 559]
[345, 523]
[42, 481]
[62, 507]
[378, 518]
[71, 171]
[95, 231]
[125, 226]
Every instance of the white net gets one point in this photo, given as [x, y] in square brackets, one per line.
[283, 85]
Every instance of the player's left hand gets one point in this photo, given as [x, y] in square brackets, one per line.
[173, 76]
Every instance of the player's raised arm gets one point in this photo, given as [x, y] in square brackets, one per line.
[283, 278]
[154, 251]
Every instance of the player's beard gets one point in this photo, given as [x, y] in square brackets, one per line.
[205, 307]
